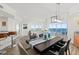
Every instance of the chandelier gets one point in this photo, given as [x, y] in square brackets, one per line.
[56, 19]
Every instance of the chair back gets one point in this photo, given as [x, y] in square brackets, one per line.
[22, 49]
[40, 35]
[62, 49]
[67, 47]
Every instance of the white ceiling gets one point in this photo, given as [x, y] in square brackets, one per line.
[42, 10]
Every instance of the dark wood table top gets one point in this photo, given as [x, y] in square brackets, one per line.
[44, 45]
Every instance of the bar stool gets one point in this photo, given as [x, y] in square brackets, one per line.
[12, 34]
[3, 36]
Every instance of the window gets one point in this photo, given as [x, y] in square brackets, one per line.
[58, 28]
[36, 26]
[52, 25]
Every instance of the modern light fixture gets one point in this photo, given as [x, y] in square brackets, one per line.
[55, 19]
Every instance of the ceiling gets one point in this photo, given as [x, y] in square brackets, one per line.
[43, 10]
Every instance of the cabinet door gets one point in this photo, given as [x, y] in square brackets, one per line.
[76, 40]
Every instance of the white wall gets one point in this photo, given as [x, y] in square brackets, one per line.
[73, 25]
[11, 25]
[3, 28]
[12, 17]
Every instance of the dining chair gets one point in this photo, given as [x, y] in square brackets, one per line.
[61, 43]
[40, 35]
[25, 48]
[22, 50]
[67, 48]
[56, 52]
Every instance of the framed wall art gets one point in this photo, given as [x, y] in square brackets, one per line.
[24, 26]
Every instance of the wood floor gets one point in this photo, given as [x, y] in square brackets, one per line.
[14, 51]
[74, 50]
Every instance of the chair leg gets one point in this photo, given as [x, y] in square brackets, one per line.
[66, 52]
[69, 51]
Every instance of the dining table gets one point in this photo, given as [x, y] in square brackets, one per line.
[41, 44]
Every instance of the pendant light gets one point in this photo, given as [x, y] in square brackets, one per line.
[55, 19]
